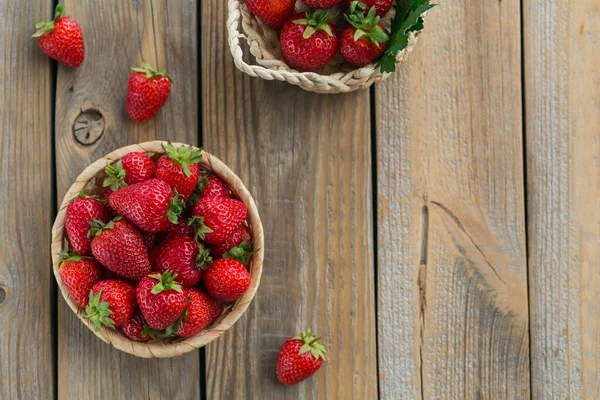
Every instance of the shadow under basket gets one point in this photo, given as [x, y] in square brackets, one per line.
[263, 44]
[90, 182]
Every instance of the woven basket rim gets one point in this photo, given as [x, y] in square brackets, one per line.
[229, 316]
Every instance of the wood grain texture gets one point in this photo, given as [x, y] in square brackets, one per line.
[118, 35]
[562, 78]
[26, 362]
[306, 160]
[453, 320]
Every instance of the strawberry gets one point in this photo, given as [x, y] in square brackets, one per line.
[134, 328]
[214, 187]
[119, 246]
[299, 358]
[61, 39]
[179, 168]
[363, 41]
[236, 239]
[161, 299]
[149, 239]
[321, 3]
[308, 42]
[147, 91]
[82, 210]
[226, 279]
[151, 205]
[382, 7]
[179, 229]
[272, 12]
[200, 312]
[132, 168]
[79, 274]
[181, 255]
[216, 218]
[111, 303]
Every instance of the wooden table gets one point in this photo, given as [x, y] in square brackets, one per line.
[441, 231]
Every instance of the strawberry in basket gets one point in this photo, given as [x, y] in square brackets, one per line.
[382, 7]
[363, 40]
[272, 12]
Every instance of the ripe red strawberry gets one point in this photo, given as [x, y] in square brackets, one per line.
[214, 187]
[216, 218]
[82, 210]
[149, 239]
[236, 239]
[112, 303]
[179, 168]
[132, 168]
[299, 358]
[151, 205]
[308, 42]
[61, 38]
[200, 312]
[321, 3]
[226, 279]
[272, 12]
[180, 229]
[382, 7]
[181, 255]
[134, 328]
[79, 274]
[147, 91]
[363, 41]
[119, 246]
[161, 299]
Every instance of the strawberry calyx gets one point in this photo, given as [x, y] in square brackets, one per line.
[71, 256]
[98, 312]
[151, 72]
[200, 186]
[148, 331]
[97, 227]
[241, 253]
[366, 26]
[203, 259]
[166, 281]
[184, 156]
[311, 343]
[319, 19]
[44, 27]
[176, 207]
[200, 229]
[173, 329]
[116, 176]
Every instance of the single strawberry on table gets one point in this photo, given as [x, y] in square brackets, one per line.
[81, 211]
[299, 358]
[118, 245]
[201, 311]
[151, 205]
[161, 299]
[272, 12]
[79, 274]
[179, 168]
[382, 7]
[61, 38]
[363, 40]
[183, 256]
[147, 92]
[132, 168]
[308, 41]
[226, 279]
[216, 218]
[134, 328]
[111, 303]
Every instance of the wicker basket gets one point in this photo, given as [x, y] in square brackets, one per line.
[89, 181]
[263, 43]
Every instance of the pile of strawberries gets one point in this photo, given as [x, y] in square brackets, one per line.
[309, 41]
[161, 251]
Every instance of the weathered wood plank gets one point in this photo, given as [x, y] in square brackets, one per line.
[26, 364]
[118, 34]
[562, 86]
[306, 159]
[451, 241]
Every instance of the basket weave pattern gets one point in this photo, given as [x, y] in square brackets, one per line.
[89, 181]
[263, 44]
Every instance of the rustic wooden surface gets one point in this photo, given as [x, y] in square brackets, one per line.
[441, 231]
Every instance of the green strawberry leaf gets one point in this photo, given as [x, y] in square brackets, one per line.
[203, 259]
[70, 256]
[184, 156]
[242, 253]
[150, 72]
[197, 223]
[166, 281]
[311, 344]
[98, 312]
[176, 207]
[116, 176]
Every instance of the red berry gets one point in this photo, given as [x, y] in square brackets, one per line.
[382, 7]
[61, 39]
[147, 92]
[132, 168]
[215, 187]
[299, 358]
[149, 239]
[134, 328]
[216, 218]
[181, 255]
[160, 299]
[272, 12]
[178, 167]
[80, 212]
[201, 311]
[120, 299]
[321, 3]
[363, 41]
[235, 240]
[226, 279]
[79, 274]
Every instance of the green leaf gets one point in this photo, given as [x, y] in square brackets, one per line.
[59, 11]
[116, 176]
[98, 312]
[166, 281]
[197, 223]
[243, 253]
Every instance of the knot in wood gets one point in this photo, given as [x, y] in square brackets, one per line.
[88, 127]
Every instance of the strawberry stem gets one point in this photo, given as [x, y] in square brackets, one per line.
[319, 19]
[44, 27]
[166, 281]
[311, 344]
[242, 253]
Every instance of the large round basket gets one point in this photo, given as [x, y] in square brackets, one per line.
[263, 44]
[89, 181]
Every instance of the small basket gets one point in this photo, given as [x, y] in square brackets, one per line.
[90, 181]
[263, 43]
